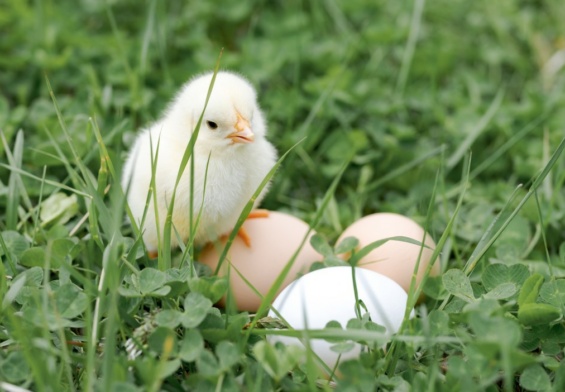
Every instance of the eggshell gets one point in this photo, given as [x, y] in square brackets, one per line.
[395, 259]
[274, 240]
[328, 294]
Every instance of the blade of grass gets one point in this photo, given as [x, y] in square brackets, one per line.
[415, 289]
[491, 230]
[489, 240]
[357, 256]
[152, 193]
[147, 34]
[13, 199]
[36, 224]
[166, 263]
[131, 75]
[410, 47]
[339, 19]
[249, 206]
[11, 262]
[66, 362]
[49, 182]
[392, 354]
[270, 296]
[114, 175]
[12, 388]
[12, 160]
[4, 277]
[110, 294]
[78, 182]
[476, 131]
[47, 298]
[69, 139]
[187, 253]
[354, 334]
[404, 168]
[515, 138]
[546, 247]
[275, 286]
[99, 213]
[302, 131]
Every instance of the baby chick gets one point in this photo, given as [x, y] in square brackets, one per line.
[232, 136]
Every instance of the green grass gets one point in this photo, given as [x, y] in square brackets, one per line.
[448, 112]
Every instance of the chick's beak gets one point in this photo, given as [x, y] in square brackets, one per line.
[243, 133]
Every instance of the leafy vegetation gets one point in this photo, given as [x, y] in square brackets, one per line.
[449, 112]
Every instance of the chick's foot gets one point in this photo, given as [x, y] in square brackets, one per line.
[242, 233]
[260, 213]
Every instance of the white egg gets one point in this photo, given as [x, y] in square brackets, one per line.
[328, 294]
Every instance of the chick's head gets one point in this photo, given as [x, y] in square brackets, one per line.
[232, 117]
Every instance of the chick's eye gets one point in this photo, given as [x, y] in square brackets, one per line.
[211, 124]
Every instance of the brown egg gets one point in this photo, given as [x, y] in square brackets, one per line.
[274, 240]
[394, 259]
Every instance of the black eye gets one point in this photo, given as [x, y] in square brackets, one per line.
[211, 124]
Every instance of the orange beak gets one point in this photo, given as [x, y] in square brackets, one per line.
[243, 133]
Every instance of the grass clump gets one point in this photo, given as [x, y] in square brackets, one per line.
[449, 112]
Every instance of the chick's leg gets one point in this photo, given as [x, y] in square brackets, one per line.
[242, 233]
[258, 214]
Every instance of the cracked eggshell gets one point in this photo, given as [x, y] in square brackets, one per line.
[274, 240]
[394, 259]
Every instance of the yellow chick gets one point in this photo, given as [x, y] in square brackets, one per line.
[232, 135]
